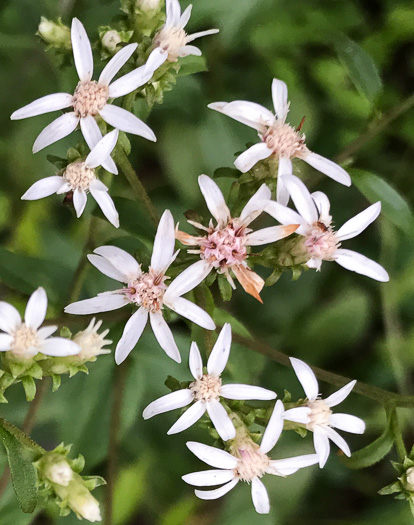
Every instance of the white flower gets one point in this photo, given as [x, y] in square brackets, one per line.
[26, 339]
[224, 246]
[248, 462]
[60, 473]
[278, 138]
[206, 390]
[79, 177]
[91, 97]
[172, 37]
[322, 243]
[91, 342]
[147, 290]
[317, 415]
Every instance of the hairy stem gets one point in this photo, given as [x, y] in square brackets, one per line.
[114, 438]
[371, 392]
[136, 185]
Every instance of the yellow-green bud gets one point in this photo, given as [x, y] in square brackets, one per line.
[55, 34]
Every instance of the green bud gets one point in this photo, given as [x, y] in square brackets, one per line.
[56, 34]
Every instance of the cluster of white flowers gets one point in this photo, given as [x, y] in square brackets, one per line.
[223, 245]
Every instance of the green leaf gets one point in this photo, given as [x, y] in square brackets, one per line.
[390, 489]
[29, 386]
[133, 218]
[56, 382]
[226, 290]
[361, 68]
[226, 172]
[191, 64]
[394, 207]
[22, 471]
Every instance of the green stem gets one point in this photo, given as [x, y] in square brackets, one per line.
[114, 438]
[136, 185]
[399, 442]
[371, 392]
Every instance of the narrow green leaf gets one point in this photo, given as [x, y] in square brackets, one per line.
[361, 68]
[29, 386]
[394, 207]
[226, 290]
[22, 471]
[192, 64]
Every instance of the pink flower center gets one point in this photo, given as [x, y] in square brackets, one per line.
[285, 141]
[225, 247]
[321, 242]
[253, 463]
[148, 291]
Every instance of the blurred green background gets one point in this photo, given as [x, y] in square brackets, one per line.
[325, 50]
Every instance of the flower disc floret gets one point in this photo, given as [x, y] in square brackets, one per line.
[89, 98]
[148, 291]
[79, 176]
[206, 388]
[225, 247]
[171, 40]
[321, 242]
[253, 463]
[285, 141]
[319, 413]
[25, 342]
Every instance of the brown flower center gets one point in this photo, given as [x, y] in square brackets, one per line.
[224, 247]
[148, 291]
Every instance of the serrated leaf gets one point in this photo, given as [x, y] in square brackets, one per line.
[394, 207]
[360, 66]
[22, 471]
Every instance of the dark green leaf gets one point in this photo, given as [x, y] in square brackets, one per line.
[226, 291]
[394, 206]
[191, 64]
[361, 68]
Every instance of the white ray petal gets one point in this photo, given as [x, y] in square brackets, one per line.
[301, 198]
[116, 63]
[10, 318]
[221, 420]
[337, 439]
[164, 336]
[185, 17]
[282, 192]
[357, 224]
[348, 423]
[190, 311]
[105, 267]
[132, 332]
[79, 201]
[43, 188]
[280, 99]
[102, 150]
[252, 156]
[82, 51]
[208, 478]
[58, 129]
[164, 243]
[357, 262]
[321, 444]
[121, 260]
[106, 204]
[214, 200]
[126, 121]
[43, 105]
[105, 302]
[246, 392]
[6, 341]
[46, 331]
[221, 107]
[298, 415]
[189, 278]
[59, 347]
[195, 361]
[190, 416]
[256, 205]
[260, 497]
[306, 378]
[288, 466]
[274, 428]
[285, 215]
[172, 401]
[199, 34]
[213, 456]
[337, 397]
[269, 235]
[329, 168]
[36, 309]
[173, 13]
[216, 493]
[92, 135]
[221, 350]
[245, 112]
[323, 205]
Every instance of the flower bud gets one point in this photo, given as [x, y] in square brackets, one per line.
[59, 472]
[85, 506]
[91, 343]
[110, 40]
[148, 5]
[55, 34]
[409, 479]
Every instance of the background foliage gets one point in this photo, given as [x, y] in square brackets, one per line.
[347, 63]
